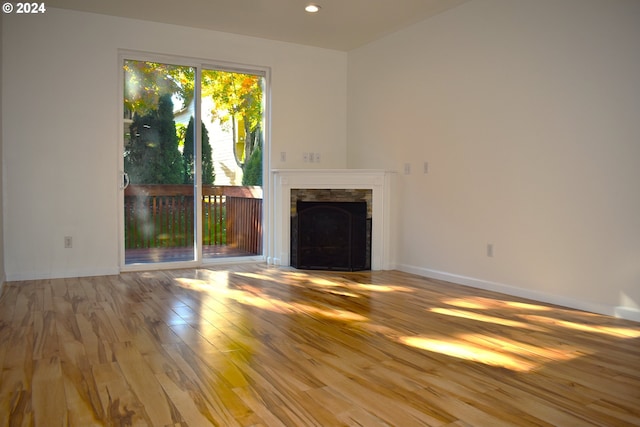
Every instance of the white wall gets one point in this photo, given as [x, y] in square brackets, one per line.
[528, 113]
[61, 124]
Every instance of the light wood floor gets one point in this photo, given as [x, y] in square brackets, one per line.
[250, 345]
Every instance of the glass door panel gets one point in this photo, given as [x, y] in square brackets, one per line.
[232, 139]
[159, 140]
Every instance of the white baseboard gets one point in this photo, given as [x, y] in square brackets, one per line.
[61, 274]
[627, 313]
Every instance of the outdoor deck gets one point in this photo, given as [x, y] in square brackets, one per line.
[177, 254]
[160, 222]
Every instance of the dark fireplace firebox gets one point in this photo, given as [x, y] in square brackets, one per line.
[331, 236]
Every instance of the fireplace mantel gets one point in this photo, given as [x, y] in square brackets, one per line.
[378, 181]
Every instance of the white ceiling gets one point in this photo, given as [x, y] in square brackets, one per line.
[340, 24]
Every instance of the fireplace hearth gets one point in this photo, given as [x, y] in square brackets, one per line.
[331, 235]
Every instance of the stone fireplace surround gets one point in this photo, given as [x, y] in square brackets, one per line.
[379, 183]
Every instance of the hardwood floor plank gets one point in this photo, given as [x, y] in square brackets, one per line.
[620, 414]
[252, 345]
[337, 405]
[76, 295]
[45, 340]
[16, 378]
[191, 376]
[25, 306]
[83, 399]
[16, 410]
[394, 412]
[17, 372]
[257, 405]
[121, 406]
[190, 406]
[359, 417]
[143, 383]
[277, 395]
[97, 349]
[48, 396]
[208, 369]
[8, 299]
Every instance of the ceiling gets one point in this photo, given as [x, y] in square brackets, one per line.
[340, 24]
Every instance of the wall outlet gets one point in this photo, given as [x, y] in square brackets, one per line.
[407, 168]
[317, 157]
[425, 168]
[312, 157]
[305, 157]
[68, 242]
[490, 250]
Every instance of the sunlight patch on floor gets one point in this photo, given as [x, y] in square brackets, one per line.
[614, 331]
[320, 281]
[540, 354]
[342, 293]
[193, 284]
[481, 303]
[329, 312]
[343, 281]
[382, 288]
[473, 303]
[474, 353]
[484, 318]
[255, 297]
[255, 276]
[526, 306]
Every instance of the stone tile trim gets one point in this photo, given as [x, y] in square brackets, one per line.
[331, 195]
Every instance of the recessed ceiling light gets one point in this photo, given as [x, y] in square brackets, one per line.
[312, 8]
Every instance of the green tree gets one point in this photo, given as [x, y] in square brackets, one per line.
[208, 174]
[152, 155]
[253, 169]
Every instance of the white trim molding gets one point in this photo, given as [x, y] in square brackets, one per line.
[63, 274]
[628, 313]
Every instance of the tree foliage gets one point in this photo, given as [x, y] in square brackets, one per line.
[145, 82]
[150, 89]
[152, 155]
[253, 169]
[238, 99]
[208, 174]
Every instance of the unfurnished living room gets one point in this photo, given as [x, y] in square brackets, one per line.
[391, 213]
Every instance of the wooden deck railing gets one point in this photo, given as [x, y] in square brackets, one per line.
[162, 216]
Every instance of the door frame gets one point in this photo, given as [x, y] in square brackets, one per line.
[198, 64]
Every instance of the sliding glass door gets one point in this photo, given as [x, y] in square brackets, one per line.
[233, 122]
[192, 160]
[160, 194]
